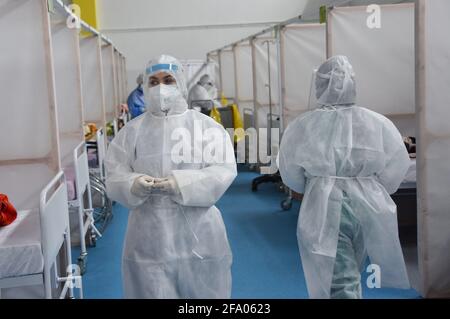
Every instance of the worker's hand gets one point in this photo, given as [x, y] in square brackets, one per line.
[142, 186]
[166, 186]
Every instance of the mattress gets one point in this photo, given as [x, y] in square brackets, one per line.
[411, 176]
[20, 246]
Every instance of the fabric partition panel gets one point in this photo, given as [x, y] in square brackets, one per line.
[227, 73]
[304, 49]
[382, 58]
[108, 80]
[30, 143]
[66, 61]
[91, 71]
[433, 108]
[265, 53]
[244, 76]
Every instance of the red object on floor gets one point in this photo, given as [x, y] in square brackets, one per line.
[7, 211]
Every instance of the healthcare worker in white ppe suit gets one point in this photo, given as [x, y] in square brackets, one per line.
[201, 92]
[346, 160]
[176, 244]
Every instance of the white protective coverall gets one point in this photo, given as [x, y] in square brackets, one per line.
[176, 245]
[346, 160]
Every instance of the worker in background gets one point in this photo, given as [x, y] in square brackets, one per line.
[136, 102]
[176, 244]
[346, 160]
[203, 95]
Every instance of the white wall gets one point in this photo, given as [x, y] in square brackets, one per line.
[135, 25]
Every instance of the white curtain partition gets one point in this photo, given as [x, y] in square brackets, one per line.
[66, 61]
[433, 108]
[108, 81]
[244, 76]
[303, 49]
[91, 70]
[227, 74]
[265, 55]
[30, 157]
[383, 58]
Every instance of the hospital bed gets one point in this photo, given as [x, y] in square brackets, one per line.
[28, 254]
[102, 205]
[81, 203]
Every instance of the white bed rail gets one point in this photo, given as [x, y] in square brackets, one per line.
[55, 232]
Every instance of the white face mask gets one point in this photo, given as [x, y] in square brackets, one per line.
[165, 100]
[212, 91]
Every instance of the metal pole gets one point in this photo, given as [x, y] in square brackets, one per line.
[280, 73]
[219, 56]
[269, 133]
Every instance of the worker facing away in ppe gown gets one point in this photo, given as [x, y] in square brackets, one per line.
[346, 160]
[176, 244]
[203, 95]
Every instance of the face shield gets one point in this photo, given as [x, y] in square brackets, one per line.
[166, 97]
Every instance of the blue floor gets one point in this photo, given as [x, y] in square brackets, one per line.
[262, 237]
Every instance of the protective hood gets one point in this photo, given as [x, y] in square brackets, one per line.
[335, 83]
[163, 100]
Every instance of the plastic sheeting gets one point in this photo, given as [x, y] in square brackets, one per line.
[383, 58]
[304, 49]
[433, 101]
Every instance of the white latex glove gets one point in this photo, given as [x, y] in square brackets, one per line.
[142, 186]
[166, 186]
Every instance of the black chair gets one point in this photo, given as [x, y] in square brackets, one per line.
[270, 178]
